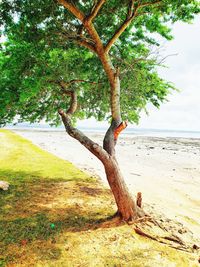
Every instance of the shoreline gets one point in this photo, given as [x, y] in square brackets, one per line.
[130, 131]
[165, 169]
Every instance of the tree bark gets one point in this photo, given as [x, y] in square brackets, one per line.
[127, 207]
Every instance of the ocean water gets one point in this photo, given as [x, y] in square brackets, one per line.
[131, 131]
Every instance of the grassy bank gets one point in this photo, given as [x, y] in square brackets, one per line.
[55, 215]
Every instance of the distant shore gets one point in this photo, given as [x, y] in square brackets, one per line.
[165, 170]
[129, 131]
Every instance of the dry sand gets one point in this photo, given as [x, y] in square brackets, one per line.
[165, 170]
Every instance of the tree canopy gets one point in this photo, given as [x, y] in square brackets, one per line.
[46, 50]
[68, 57]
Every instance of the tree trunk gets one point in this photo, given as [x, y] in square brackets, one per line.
[127, 208]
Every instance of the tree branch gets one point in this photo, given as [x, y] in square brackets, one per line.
[117, 34]
[93, 147]
[130, 9]
[87, 24]
[106, 62]
[87, 45]
[73, 9]
[150, 3]
[95, 10]
[71, 93]
[65, 84]
[131, 14]
[73, 104]
[95, 36]
[80, 39]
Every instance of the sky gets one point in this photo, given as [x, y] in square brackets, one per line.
[182, 111]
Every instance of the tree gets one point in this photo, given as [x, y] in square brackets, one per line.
[74, 53]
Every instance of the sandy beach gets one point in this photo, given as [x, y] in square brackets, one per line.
[165, 170]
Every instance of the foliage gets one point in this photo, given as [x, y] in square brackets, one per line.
[41, 50]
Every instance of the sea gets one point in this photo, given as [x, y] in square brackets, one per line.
[130, 131]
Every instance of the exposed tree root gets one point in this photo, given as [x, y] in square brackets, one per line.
[139, 220]
[166, 235]
[175, 239]
[140, 232]
[159, 225]
[161, 239]
[179, 243]
[161, 229]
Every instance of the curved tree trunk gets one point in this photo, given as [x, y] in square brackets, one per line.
[127, 208]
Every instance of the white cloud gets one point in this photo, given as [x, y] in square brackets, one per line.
[183, 109]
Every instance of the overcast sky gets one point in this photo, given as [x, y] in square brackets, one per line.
[182, 112]
[183, 109]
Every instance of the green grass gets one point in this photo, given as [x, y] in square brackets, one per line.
[56, 215]
[32, 174]
[22, 161]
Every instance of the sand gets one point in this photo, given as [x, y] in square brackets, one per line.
[165, 170]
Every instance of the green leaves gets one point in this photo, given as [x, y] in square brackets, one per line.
[42, 48]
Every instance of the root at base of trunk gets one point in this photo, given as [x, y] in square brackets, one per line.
[134, 214]
[134, 217]
[165, 232]
[148, 227]
[176, 242]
